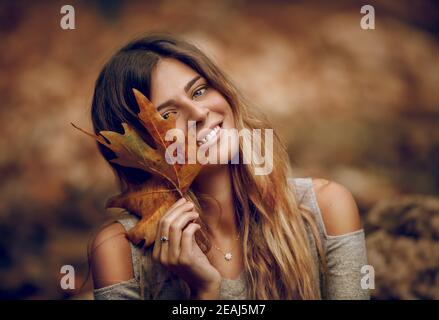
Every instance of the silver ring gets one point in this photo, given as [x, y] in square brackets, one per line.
[164, 239]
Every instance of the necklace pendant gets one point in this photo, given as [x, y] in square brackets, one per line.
[228, 256]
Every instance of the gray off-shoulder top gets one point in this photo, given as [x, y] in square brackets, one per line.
[345, 256]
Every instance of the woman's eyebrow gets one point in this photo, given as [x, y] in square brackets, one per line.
[186, 89]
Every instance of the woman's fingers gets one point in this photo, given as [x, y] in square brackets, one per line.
[157, 244]
[175, 232]
[166, 223]
[160, 231]
[176, 204]
[187, 239]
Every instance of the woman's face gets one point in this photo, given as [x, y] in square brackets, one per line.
[178, 89]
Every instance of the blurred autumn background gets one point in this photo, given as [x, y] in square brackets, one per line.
[360, 107]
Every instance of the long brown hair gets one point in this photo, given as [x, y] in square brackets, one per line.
[274, 227]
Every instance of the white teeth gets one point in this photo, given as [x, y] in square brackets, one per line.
[210, 135]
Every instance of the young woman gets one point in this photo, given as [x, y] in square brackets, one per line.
[273, 237]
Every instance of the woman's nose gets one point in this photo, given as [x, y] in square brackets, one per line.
[196, 112]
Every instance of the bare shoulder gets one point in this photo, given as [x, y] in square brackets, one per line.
[338, 207]
[110, 256]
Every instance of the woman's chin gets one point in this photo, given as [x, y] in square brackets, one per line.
[217, 166]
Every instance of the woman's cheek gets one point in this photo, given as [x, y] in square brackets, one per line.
[218, 103]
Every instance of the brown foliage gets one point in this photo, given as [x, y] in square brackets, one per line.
[153, 198]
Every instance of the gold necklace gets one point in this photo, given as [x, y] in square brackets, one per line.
[227, 255]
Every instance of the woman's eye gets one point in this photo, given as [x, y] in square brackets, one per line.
[202, 90]
[166, 114]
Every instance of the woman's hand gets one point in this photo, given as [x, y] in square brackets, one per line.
[182, 255]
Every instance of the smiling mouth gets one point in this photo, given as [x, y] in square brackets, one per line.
[211, 135]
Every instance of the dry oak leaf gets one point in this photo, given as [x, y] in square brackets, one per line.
[169, 181]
